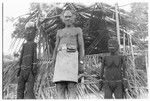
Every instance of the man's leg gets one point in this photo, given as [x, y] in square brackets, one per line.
[107, 91]
[60, 87]
[118, 91]
[21, 87]
[72, 86]
[30, 87]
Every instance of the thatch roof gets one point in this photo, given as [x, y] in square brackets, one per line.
[97, 21]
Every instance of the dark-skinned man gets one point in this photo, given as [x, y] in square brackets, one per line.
[27, 63]
[113, 72]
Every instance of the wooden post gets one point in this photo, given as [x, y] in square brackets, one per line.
[132, 51]
[146, 58]
[48, 51]
[124, 44]
[133, 62]
[43, 48]
[117, 25]
[39, 47]
[39, 33]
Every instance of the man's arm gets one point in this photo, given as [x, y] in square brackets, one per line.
[124, 75]
[35, 58]
[81, 44]
[124, 68]
[20, 60]
[101, 73]
[21, 56]
[102, 68]
[56, 46]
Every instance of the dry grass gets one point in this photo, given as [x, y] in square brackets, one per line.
[45, 89]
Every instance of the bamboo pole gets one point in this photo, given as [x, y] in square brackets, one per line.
[43, 48]
[124, 44]
[117, 25]
[133, 63]
[39, 33]
[132, 52]
[146, 58]
[39, 45]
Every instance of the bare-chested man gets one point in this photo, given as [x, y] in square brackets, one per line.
[113, 72]
[27, 64]
[68, 57]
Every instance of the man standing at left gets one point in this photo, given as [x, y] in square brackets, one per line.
[27, 63]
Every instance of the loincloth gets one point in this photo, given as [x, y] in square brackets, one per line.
[66, 66]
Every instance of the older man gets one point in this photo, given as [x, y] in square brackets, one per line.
[68, 56]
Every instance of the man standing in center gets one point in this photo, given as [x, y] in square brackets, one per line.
[68, 57]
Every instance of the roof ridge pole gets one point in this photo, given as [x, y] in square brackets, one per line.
[38, 33]
[117, 25]
[124, 43]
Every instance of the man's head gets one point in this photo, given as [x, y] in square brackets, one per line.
[68, 17]
[113, 45]
[30, 30]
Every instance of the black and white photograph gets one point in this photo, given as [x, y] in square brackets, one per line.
[87, 49]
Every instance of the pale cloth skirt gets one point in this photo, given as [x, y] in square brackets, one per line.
[66, 66]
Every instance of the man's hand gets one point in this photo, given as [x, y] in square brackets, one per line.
[80, 76]
[35, 69]
[53, 62]
[81, 67]
[125, 83]
[18, 73]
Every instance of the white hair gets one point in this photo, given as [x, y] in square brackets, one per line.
[29, 24]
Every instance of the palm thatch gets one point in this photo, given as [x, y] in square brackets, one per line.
[98, 24]
[45, 89]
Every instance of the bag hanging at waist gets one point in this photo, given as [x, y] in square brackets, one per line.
[71, 48]
[68, 48]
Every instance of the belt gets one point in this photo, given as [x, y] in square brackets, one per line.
[112, 80]
[65, 49]
[23, 67]
[27, 56]
[60, 49]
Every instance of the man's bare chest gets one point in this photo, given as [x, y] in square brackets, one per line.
[112, 61]
[71, 33]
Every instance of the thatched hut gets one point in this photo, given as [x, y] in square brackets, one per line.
[98, 22]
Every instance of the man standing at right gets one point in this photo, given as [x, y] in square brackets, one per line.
[113, 72]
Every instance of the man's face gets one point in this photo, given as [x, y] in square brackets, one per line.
[113, 46]
[30, 30]
[68, 18]
[30, 33]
